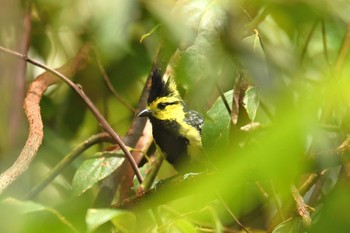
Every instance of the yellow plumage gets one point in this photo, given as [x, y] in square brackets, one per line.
[176, 130]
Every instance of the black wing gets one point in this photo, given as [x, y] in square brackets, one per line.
[195, 119]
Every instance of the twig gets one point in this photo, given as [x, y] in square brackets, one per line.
[324, 42]
[78, 88]
[307, 184]
[32, 111]
[275, 201]
[136, 134]
[223, 98]
[110, 86]
[303, 209]
[308, 39]
[167, 192]
[230, 212]
[343, 52]
[98, 138]
[153, 171]
[123, 176]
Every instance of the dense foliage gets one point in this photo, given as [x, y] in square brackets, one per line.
[270, 77]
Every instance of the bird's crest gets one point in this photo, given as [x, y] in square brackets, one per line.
[161, 87]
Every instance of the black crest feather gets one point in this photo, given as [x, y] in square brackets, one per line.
[160, 88]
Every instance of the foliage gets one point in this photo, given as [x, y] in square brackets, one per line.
[270, 77]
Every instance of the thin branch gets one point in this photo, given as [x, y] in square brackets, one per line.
[78, 88]
[231, 213]
[324, 41]
[223, 98]
[307, 42]
[343, 52]
[303, 209]
[276, 203]
[166, 192]
[110, 86]
[308, 183]
[98, 138]
[32, 111]
[153, 171]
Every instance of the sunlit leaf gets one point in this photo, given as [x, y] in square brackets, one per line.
[121, 219]
[93, 170]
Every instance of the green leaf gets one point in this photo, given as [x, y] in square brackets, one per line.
[22, 207]
[94, 170]
[183, 225]
[251, 102]
[216, 125]
[26, 207]
[293, 225]
[122, 220]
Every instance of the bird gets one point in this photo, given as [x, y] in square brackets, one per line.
[176, 129]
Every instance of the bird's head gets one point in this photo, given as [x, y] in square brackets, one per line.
[164, 101]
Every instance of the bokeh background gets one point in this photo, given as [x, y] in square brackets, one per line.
[280, 145]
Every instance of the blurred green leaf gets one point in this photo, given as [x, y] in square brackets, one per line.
[293, 225]
[216, 125]
[122, 220]
[23, 207]
[95, 169]
[333, 214]
[251, 102]
[26, 207]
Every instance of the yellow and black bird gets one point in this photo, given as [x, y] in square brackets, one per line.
[176, 129]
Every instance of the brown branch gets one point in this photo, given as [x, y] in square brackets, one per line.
[17, 95]
[32, 111]
[102, 121]
[303, 209]
[123, 175]
[167, 192]
[137, 131]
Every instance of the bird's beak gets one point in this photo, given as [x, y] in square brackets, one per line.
[145, 113]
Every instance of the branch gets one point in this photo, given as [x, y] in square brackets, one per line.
[167, 192]
[343, 52]
[103, 122]
[32, 111]
[303, 209]
[98, 138]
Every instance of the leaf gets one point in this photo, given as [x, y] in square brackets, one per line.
[26, 207]
[183, 225]
[293, 225]
[251, 102]
[94, 170]
[216, 125]
[121, 219]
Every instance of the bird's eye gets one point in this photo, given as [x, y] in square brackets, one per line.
[161, 106]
